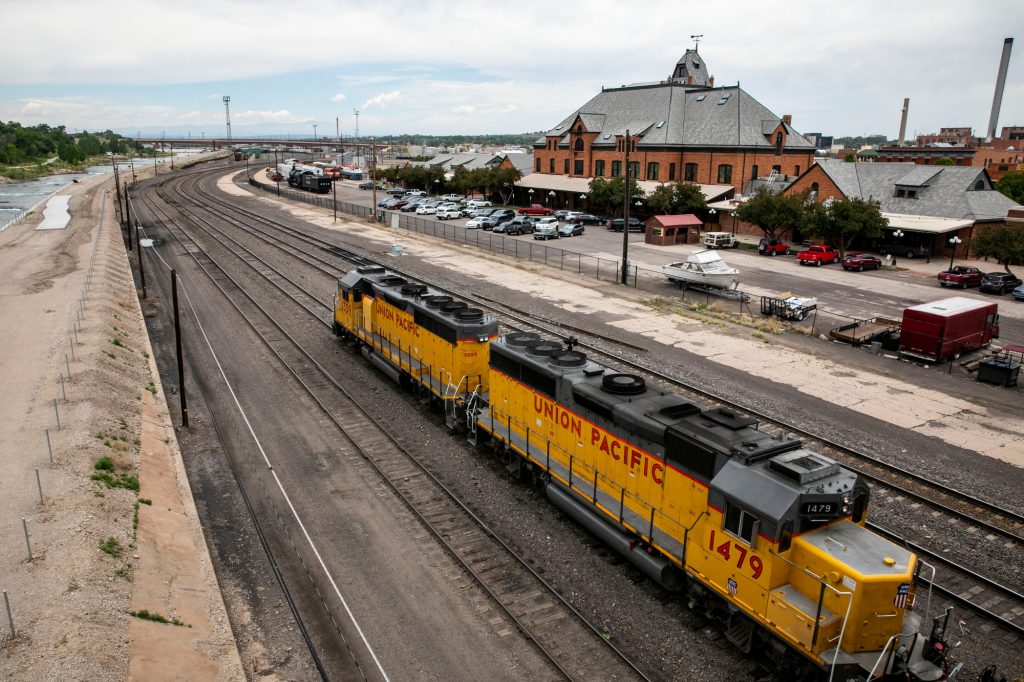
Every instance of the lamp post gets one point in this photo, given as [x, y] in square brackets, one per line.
[712, 213]
[625, 218]
[551, 197]
[437, 181]
[531, 196]
[583, 198]
[954, 240]
[896, 235]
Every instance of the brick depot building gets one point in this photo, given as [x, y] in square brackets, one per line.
[928, 204]
[682, 128]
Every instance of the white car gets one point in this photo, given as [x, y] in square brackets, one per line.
[448, 213]
[415, 193]
[452, 197]
[426, 210]
[546, 228]
[478, 203]
[476, 223]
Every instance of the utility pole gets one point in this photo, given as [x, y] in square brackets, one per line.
[227, 114]
[625, 220]
[128, 216]
[373, 174]
[177, 347]
[358, 155]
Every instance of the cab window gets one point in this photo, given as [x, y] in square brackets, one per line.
[740, 523]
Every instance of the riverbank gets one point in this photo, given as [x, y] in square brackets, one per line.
[46, 168]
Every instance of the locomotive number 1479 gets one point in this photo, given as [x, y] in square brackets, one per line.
[734, 552]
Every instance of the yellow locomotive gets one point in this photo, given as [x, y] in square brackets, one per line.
[762, 534]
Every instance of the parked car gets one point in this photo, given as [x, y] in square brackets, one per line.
[905, 250]
[615, 225]
[502, 214]
[818, 255]
[397, 191]
[861, 262]
[546, 228]
[448, 214]
[720, 240]
[962, 276]
[412, 205]
[475, 223]
[478, 203]
[453, 197]
[383, 203]
[999, 282]
[491, 222]
[535, 209]
[426, 209]
[1018, 293]
[561, 215]
[521, 224]
[772, 247]
[570, 230]
[366, 185]
[585, 219]
[416, 193]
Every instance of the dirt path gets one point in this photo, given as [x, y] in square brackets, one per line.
[94, 557]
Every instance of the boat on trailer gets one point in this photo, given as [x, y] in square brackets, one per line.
[703, 269]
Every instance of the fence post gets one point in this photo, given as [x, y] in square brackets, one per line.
[39, 486]
[49, 448]
[28, 544]
[10, 620]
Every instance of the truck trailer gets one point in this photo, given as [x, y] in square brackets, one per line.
[321, 184]
[944, 329]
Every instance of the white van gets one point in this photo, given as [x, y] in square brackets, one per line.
[720, 240]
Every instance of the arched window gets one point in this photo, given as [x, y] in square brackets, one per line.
[814, 187]
[579, 144]
[551, 166]
[778, 142]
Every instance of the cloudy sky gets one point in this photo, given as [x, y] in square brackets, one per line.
[481, 66]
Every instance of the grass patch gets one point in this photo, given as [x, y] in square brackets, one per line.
[112, 547]
[145, 355]
[143, 500]
[121, 344]
[110, 355]
[104, 464]
[114, 480]
[156, 618]
[151, 387]
[124, 572]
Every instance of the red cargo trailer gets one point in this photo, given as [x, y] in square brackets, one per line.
[944, 329]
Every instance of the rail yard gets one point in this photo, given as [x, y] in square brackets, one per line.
[339, 502]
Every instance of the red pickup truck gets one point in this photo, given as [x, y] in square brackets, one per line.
[535, 209]
[962, 276]
[818, 255]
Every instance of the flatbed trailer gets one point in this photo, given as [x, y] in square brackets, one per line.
[865, 331]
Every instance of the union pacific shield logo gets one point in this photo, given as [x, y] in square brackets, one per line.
[901, 596]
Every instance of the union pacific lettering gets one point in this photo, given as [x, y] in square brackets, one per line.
[403, 319]
[638, 461]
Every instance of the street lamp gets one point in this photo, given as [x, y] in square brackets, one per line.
[551, 197]
[583, 198]
[531, 196]
[954, 240]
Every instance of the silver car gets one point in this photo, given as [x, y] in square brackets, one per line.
[546, 228]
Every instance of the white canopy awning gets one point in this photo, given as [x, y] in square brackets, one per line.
[925, 224]
[565, 183]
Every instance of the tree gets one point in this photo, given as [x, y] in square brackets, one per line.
[841, 222]
[1012, 185]
[681, 197]
[505, 180]
[609, 194]
[773, 212]
[849, 157]
[1005, 244]
[944, 161]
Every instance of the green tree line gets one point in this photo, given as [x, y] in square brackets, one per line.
[20, 145]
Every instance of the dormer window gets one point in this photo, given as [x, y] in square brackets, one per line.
[578, 146]
[778, 142]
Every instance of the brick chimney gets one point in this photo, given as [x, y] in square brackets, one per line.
[689, 80]
[711, 81]
[787, 119]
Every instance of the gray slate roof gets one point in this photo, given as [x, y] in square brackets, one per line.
[949, 192]
[689, 117]
[690, 65]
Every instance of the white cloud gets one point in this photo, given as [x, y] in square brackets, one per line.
[340, 97]
[383, 99]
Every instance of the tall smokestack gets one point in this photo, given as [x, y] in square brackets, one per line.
[903, 122]
[997, 99]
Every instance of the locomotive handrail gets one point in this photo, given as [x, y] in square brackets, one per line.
[871, 673]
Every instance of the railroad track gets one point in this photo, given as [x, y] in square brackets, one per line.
[955, 582]
[574, 646]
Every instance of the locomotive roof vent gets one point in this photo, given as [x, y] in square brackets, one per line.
[393, 281]
[568, 359]
[803, 466]
[436, 300]
[521, 338]
[468, 314]
[680, 410]
[623, 384]
[452, 306]
[370, 270]
[543, 348]
[414, 289]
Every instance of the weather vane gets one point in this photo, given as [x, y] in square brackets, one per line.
[696, 41]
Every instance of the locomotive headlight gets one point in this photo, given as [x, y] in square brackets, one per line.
[846, 499]
[482, 339]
